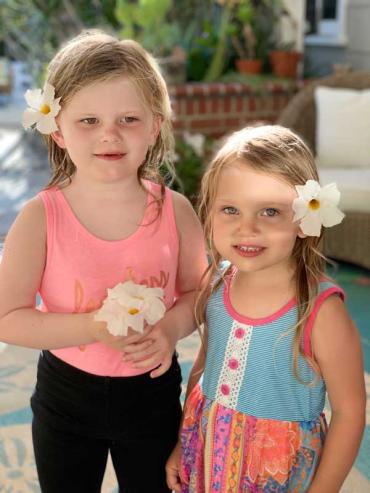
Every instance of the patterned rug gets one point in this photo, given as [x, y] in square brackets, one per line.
[17, 377]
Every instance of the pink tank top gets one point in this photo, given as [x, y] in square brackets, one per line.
[80, 267]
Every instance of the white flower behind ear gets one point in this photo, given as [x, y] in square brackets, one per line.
[316, 206]
[131, 305]
[43, 109]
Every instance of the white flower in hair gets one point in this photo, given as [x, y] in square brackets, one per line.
[131, 305]
[316, 206]
[43, 109]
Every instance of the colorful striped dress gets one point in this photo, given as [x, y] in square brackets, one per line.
[250, 425]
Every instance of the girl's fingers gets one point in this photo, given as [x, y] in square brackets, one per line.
[164, 366]
[134, 337]
[146, 352]
[138, 347]
[160, 370]
[151, 361]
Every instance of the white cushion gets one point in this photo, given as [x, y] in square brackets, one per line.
[353, 184]
[342, 127]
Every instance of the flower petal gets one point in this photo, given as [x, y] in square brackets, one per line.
[155, 292]
[311, 224]
[154, 310]
[330, 193]
[147, 302]
[300, 208]
[55, 107]
[136, 322]
[48, 94]
[33, 98]
[47, 124]
[308, 191]
[30, 117]
[114, 316]
[331, 215]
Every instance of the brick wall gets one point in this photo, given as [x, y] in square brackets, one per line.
[218, 108]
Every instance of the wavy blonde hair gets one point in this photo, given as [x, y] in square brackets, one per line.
[278, 151]
[94, 56]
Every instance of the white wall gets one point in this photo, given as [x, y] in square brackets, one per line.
[297, 10]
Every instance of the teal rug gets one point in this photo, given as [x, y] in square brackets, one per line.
[17, 377]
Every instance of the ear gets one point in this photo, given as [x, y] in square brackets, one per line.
[58, 139]
[156, 128]
[300, 234]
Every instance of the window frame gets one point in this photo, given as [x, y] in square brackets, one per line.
[330, 32]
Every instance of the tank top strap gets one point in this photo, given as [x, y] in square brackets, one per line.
[167, 213]
[53, 207]
[326, 289]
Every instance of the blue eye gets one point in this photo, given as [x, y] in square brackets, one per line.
[230, 210]
[89, 121]
[129, 119]
[270, 212]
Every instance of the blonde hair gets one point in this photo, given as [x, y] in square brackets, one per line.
[94, 56]
[275, 150]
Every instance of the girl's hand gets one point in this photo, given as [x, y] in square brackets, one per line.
[154, 348]
[173, 469]
[100, 333]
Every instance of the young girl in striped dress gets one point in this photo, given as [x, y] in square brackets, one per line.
[277, 335]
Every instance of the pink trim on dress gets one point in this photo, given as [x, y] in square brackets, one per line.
[311, 319]
[247, 320]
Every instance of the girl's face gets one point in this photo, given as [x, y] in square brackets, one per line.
[252, 220]
[107, 129]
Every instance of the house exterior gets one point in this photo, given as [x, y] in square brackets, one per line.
[337, 33]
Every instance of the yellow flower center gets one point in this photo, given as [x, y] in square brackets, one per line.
[45, 109]
[314, 204]
[133, 311]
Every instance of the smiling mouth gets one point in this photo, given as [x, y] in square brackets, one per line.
[249, 250]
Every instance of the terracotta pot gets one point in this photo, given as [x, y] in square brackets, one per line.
[249, 66]
[285, 63]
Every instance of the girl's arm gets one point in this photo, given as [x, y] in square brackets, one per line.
[21, 271]
[337, 349]
[179, 321]
[173, 464]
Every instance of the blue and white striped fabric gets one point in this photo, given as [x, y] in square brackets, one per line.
[249, 366]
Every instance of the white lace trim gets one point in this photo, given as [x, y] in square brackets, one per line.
[231, 378]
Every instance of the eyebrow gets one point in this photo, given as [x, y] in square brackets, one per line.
[266, 202]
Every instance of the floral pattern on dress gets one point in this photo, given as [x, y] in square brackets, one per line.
[226, 451]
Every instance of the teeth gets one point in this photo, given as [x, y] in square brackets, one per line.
[249, 249]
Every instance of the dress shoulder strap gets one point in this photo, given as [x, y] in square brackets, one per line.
[326, 289]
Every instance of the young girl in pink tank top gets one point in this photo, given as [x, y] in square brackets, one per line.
[106, 217]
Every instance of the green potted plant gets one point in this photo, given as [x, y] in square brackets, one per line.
[244, 39]
[146, 22]
[284, 59]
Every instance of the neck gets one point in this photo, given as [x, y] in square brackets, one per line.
[125, 190]
[264, 281]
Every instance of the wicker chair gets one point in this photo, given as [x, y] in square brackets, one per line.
[349, 241]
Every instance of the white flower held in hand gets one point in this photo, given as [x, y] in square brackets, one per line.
[317, 207]
[130, 305]
[43, 109]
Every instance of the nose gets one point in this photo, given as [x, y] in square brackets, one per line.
[110, 133]
[248, 225]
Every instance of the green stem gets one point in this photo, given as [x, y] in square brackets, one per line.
[218, 59]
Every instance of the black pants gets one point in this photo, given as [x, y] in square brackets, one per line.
[79, 418]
